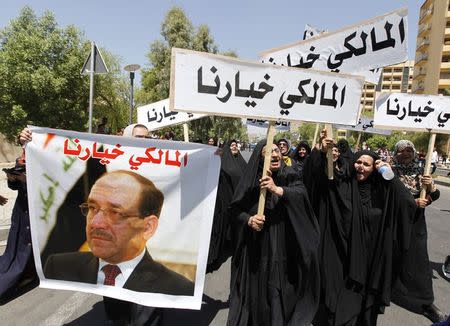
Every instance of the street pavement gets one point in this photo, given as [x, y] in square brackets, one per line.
[51, 307]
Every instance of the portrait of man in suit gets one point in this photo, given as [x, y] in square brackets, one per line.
[122, 213]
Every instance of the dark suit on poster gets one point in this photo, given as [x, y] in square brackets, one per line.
[148, 275]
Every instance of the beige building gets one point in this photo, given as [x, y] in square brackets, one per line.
[432, 68]
[394, 79]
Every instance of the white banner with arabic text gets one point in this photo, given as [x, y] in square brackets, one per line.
[421, 113]
[224, 86]
[357, 49]
[158, 115]
[364, 125]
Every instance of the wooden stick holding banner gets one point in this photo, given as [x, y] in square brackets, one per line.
[427, 170]
[358, 141]
[316, 132]
[330, 173]
[186, 132]
[267, 156]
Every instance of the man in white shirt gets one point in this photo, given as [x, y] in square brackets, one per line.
[434, 160]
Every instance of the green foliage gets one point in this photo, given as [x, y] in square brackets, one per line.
[203, 40]
[112, 95]
[377, 141]
[283, 134]
[40, 68]
[419, 139]
[41, 82]
[178, 31]
[307, 130]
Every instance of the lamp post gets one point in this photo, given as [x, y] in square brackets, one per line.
[131, 69]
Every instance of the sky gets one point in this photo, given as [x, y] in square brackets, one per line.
[127, 28]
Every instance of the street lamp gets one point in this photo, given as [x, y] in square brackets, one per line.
[131, 69]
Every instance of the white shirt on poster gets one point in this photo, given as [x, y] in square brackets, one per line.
[126, 268]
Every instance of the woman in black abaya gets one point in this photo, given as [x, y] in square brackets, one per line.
[365, 225]
[414, 288]
[274, 269]
[231, 169]
[299, 156]
[17, 271]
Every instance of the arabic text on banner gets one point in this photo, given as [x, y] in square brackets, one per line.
[158, 115]
[375, 43]
[219, 85]
[364, 125]
[412, 112]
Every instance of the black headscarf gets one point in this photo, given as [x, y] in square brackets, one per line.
[295, 155]
[373, 155]
[231, 170]
[344, 149]
[232, 165]
[274, 272]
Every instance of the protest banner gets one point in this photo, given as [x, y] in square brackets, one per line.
[364, 125]
[371, 76]
[414, 113]
[312, 31]
[260, 127]
[158, 115]
[139, 204]
[375, 43]
[421, 113]
[219, 85]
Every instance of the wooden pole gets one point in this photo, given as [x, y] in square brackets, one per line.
[267, 155]
[330, 173]
[316, 132]
[448, 146]
[358, 141]
[186, 132]
[423, 191]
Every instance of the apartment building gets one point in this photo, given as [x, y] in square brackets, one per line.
[432, 67]
[394, 79]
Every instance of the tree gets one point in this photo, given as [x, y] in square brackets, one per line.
[38, 62]
[112, 94]
[307, 130]
[41, 82]
[178, 31]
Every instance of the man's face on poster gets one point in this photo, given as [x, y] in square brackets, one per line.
[115, 231]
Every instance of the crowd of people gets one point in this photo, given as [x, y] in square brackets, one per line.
[325, 251]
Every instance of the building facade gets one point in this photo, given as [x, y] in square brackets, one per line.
[432, 67]
[394, 79]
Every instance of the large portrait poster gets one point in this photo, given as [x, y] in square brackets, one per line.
[121, 217]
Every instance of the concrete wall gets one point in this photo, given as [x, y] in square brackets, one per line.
[8, 152]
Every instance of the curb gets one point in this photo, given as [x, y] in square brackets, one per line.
[442, 183]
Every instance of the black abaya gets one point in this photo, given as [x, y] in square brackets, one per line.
[231, 169]
[17, 269]
[274, 272]
[414, 288]
[365, 228]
